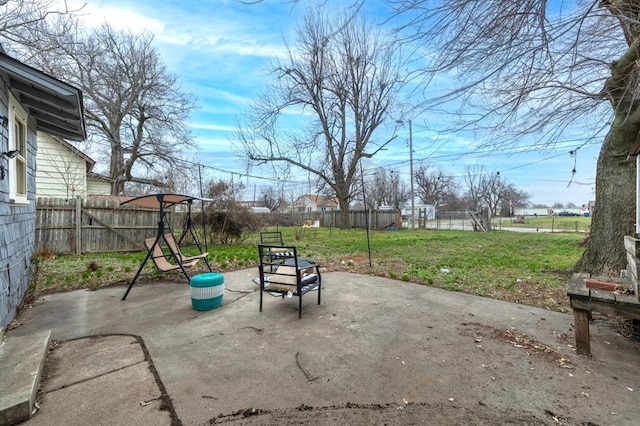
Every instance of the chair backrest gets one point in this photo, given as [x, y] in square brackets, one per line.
[280, 263]
[271, 238]
[158, 256]
[173, 245]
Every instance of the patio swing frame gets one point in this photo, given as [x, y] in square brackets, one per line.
[164, 201]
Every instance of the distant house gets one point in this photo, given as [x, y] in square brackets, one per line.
[313, 203]
[63, 171]
[30, 101]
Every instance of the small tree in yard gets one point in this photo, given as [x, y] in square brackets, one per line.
[433, 185]
[226, 219]
[513, 198]
[489, 189]
[271, 199]
[386, 189]
[344, 74]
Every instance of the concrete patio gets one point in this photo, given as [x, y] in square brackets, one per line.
[375, 350]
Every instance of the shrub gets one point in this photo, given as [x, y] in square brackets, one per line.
[230, 227]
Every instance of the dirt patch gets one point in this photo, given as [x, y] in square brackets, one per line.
[389, 414]
[518, 340]
[624, 326]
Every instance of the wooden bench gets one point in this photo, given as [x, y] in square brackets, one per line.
[586, 300]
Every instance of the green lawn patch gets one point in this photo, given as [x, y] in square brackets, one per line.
[526, 268]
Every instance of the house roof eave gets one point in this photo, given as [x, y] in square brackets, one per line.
[56, 106]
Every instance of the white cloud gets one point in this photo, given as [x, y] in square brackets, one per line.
[93, 14]
[252, 49]
[214, 127]
[227, 31]
[225, 95]
[210, 144]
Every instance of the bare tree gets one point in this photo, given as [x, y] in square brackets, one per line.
[344, 75]
[223, 195]
[475, 188]
[433, 185]
[227, 220]
[513, 198]
[134, 108]
[272, 199]
[486, 189]
[26, 25]
[453, 202]
[538, 67]
[387, 189]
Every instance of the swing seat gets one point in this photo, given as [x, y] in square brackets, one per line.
[161, 261]
[176, 249]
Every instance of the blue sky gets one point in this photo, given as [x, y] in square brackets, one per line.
[221, 50]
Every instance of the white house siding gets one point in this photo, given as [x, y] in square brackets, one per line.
[309, 205]
[17, 223]
[303, 204]
[61, 173]
[97, 186]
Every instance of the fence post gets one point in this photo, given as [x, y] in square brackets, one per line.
[78, 237]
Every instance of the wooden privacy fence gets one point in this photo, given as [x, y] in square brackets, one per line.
[378, 219]
[81, 226]
[97, 225]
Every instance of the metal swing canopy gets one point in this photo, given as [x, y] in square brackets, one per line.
[162, 200]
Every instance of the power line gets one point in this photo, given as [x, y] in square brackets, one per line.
[497, 152]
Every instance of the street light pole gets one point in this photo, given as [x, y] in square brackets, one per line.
[413, 207]
[366, 213]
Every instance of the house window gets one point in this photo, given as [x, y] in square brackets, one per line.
[17, 141]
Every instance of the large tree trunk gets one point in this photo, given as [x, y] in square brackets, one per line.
[614, 215]
[115, 168]
[344, 213]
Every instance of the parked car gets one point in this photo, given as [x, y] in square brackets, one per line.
[566, 213]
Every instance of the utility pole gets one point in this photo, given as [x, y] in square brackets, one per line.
[413, 206]
[366, 213]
